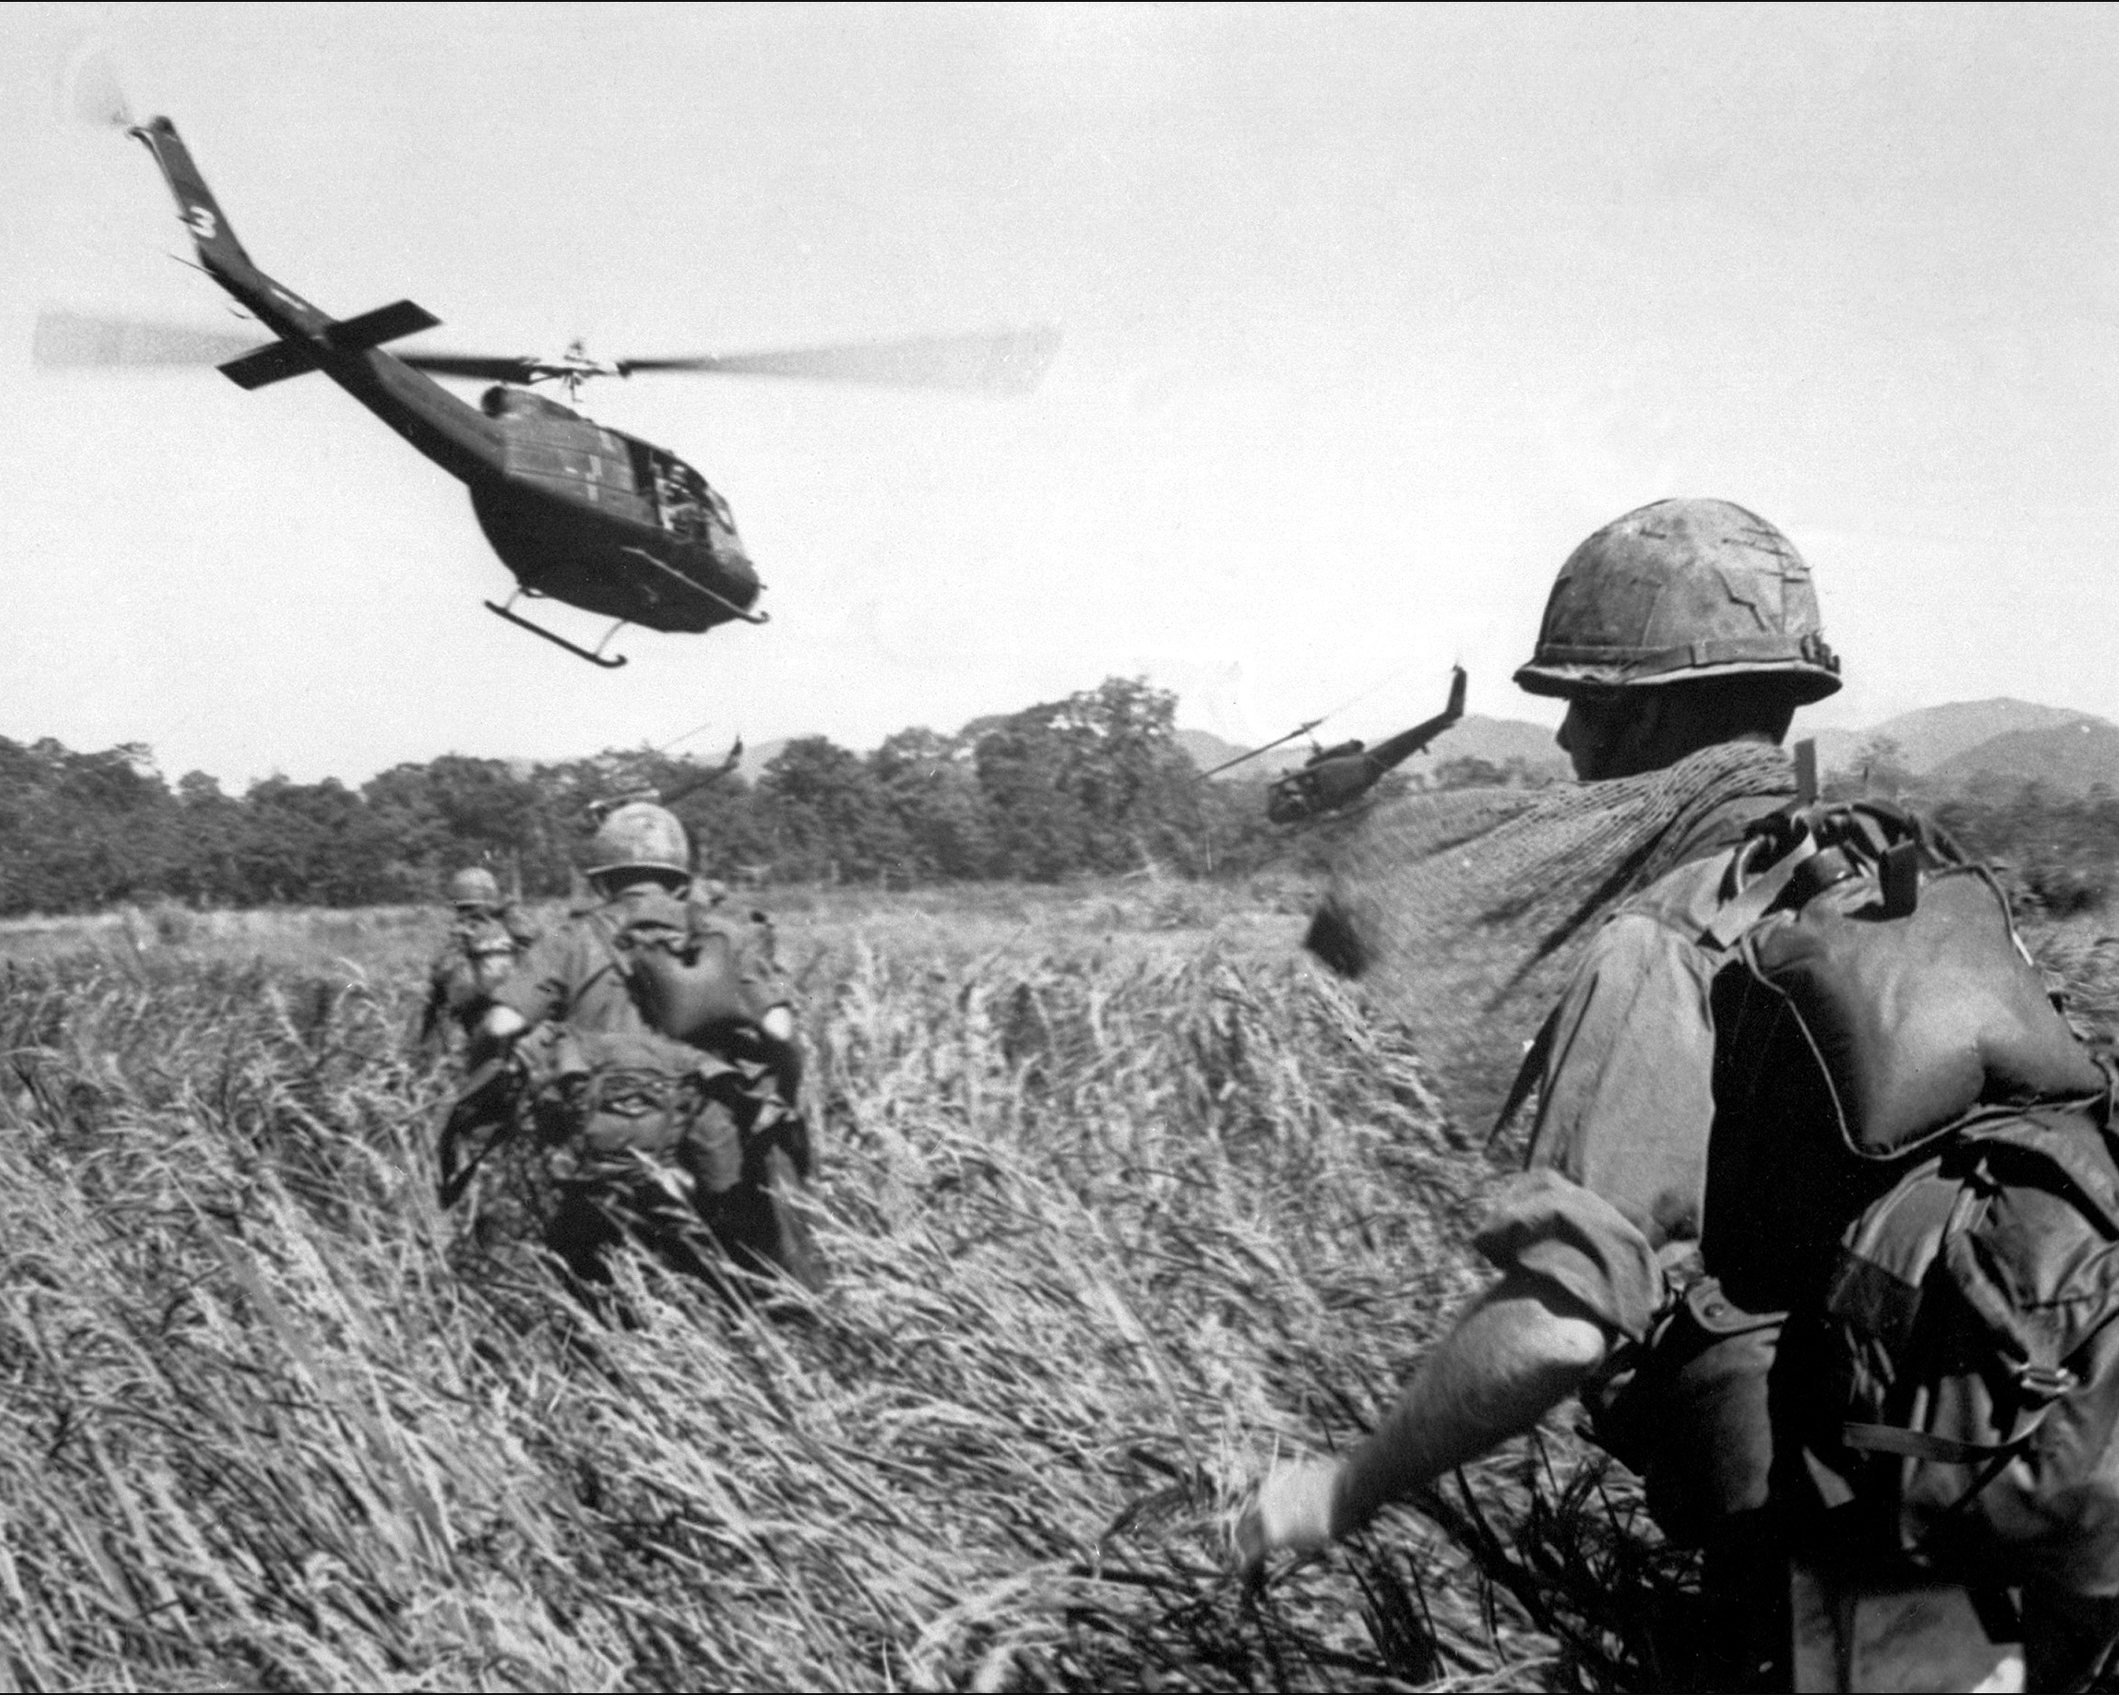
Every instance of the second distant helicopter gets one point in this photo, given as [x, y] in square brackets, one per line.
[1334, 778]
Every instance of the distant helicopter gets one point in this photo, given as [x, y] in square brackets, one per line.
[580, 513]
[1333, 778]
[631, 787]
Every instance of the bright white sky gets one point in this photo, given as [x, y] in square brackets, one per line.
[1370, 316]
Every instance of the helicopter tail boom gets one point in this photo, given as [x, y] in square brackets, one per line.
[200, 213]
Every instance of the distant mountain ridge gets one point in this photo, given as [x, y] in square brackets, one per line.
[2010, 740]
[1936, 734]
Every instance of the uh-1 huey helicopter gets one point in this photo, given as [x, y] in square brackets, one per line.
[578, 512]
[1334, 778]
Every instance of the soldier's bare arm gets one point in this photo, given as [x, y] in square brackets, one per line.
[1517, 1351]
[1619, 1159]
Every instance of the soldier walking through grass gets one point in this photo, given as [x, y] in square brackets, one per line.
[654, 1038]
[486, 937]
[1697, 1244]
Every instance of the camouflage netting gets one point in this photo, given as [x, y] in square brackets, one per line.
[1462, 912]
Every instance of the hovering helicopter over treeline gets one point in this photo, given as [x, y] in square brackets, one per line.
[1333, 778]
[578, 512]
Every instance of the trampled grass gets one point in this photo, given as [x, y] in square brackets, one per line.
[1120, 1198]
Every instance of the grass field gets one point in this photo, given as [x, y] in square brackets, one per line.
[1120, 1196]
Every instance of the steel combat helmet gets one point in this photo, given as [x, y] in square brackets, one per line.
[640, 836]
[475, 886]
[1680, 590]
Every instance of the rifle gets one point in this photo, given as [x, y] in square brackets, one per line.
[485, 1103]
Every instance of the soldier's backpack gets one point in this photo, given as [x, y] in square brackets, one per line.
[1964, 1363]
[610, 1101]
[685, 970]
[1956, 1378]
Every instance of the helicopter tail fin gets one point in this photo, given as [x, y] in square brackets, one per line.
[219, 251]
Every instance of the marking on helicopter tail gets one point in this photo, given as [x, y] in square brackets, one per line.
[202, 223]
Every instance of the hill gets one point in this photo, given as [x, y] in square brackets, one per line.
[1935, 735]
[2072, 756]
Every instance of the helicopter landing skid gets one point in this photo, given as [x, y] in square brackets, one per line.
[595, 658]
[700, 589]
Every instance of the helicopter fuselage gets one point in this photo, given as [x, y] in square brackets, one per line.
[603, 520]
[579, 513]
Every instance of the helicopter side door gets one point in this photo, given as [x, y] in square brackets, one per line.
[578, 462]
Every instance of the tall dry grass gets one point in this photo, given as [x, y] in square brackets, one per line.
[1120, 1198]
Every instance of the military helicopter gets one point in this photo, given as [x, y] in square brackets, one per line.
[630, 787]
[578, 512]
[1333, 778]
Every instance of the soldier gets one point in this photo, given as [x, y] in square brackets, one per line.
[1677, 628]
[657, 1037]
[485, 939]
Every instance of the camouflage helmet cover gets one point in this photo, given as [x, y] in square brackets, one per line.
[474, 886]
[1679, 590]
[640, 836]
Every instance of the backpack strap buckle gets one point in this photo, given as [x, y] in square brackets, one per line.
[2045, 1382]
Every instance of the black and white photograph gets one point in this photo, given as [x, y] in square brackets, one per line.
[1059, 846]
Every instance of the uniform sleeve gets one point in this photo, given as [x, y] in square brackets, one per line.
[522, 928]
[541, 983]
[1619, 1156]
[758, 958]
[753, 954]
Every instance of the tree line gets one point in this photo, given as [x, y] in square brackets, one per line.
[1095, 783]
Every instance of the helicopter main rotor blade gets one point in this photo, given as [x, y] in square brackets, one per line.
[1002, 362]
[73, 340]
[483, 367]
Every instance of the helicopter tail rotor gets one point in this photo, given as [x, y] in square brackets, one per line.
[89, 90]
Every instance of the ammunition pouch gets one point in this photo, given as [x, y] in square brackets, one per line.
[1687, 1409]
[606, 1102]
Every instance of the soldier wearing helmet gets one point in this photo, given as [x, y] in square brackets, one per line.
[1673, 630]
[486, 936]
[652, 976]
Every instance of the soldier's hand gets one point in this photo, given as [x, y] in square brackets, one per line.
[1291, 1514]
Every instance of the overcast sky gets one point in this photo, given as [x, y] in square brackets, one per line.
[1370, 316]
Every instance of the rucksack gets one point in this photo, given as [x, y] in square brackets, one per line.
[1961, 1375]
[1942, 1229]
[609, 1100]
[1872, 940]
[1954, 1382]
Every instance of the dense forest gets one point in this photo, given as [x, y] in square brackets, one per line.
[1094, 784]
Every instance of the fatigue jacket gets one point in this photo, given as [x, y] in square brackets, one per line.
[576, 973]
[1635, 1183]
[478, 957]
